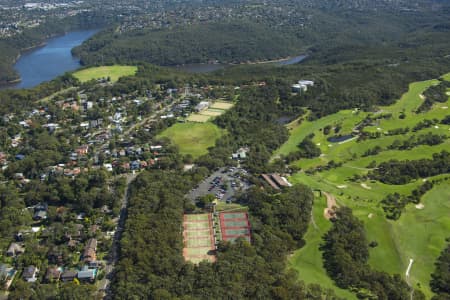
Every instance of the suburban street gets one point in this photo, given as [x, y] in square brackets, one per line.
[104, 284]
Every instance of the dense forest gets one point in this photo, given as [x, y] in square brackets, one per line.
[440, 279]
[151, 263]
[230, 42]
[402, 172]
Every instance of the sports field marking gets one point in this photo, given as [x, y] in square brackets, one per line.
[242, 223]
[234, 216]
[198, 118]
[197, 251]
[198, 234]
[196, 225]
[197, 242]
[240, 231]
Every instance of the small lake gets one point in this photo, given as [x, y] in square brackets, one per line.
[51, 60]
[340, 138]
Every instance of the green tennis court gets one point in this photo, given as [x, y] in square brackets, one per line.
[236, 223]
[234, 216]
[240, 231]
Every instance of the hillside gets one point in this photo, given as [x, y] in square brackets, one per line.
[418, 230]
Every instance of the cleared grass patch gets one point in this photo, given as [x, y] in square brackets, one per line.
[113, 72]
[193, 138]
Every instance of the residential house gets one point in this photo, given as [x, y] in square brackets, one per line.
[135, 165]
[87, 275]
[90, 251]
[15, 249]
[82, 150]
[55, 257]
[52, 275]
[30, 273]
[40, 212]
[6, 276]
[68, 275]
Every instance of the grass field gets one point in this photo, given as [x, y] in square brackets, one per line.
[114, 72]
[193, 138]
[418, 234]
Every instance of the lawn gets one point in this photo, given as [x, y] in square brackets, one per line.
[114, 72]
[420, 234]
[193, 138]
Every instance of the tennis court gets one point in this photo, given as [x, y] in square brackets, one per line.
[240, 231]
[196, 225]
[198, 242]
[234, 226]
[198, 238]
[234, 216]
[197, 233]
[242, 223]
[191, 218]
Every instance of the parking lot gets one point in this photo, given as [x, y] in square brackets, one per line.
[224, 184]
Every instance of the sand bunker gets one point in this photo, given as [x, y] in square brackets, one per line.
[420, 206]
[366, 186]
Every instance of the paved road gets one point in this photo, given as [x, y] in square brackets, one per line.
[113, 255]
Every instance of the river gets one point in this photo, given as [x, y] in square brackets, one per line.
[51, 60]
[206, 68]
[55, 58]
